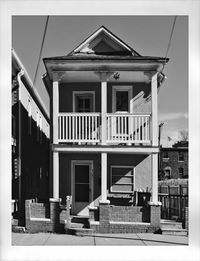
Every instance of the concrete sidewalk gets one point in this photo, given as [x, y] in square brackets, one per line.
[140, 239]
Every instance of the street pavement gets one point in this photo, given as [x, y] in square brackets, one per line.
[139, 239]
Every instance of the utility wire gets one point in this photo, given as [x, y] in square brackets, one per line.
[41, 49]
[170, 39]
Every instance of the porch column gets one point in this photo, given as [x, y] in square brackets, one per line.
[55, 136]
[103, 112]
[154, 171]
[104, 179]
[154, 109]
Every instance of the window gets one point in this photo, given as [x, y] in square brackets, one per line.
[180, 172]
[122, 179]
[167, 171]
[165, 155]
[83, 101]
[180, 156]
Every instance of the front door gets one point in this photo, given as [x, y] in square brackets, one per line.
[82, 186]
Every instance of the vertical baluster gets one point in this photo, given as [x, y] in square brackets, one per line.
[66, 130]
[67, 126]
[86, 137]
[142, 129]
[76, 127]
[89, 134]
[122, 127]
[146, 119]
[70, 127]
[83, 128]
[73, 128]
[95, 127]
[79, 127]
[139, 127]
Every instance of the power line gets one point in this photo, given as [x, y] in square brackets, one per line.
[41, 49]
[170, 39]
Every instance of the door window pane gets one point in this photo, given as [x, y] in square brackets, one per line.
[121, 101]
[82, 174]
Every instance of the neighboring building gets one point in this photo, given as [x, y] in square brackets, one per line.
[104, 125]
[174, 161]
[30, 140]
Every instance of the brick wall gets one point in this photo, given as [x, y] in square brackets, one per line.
[123, 213]
[174, 163]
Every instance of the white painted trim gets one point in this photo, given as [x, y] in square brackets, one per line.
[154, 109]
[122, 166]
[111, 149]
[83, 92]
[91, 179]
[95, 34]
[116, 88]
[103, 112]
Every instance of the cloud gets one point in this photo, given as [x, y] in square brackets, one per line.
[172, 116]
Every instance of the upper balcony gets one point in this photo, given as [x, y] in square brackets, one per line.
[120, 128]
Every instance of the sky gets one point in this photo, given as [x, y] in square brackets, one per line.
[148, 35]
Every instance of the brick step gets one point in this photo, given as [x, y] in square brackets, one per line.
[18, 229]
[170, 224]
[177, 232]
[80, 231]
[76, 225]
[80, 220]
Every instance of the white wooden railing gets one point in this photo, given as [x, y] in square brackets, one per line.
[78, 127]
[121, 128]
[128, 128]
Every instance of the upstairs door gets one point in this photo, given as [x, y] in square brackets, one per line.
[121, 98]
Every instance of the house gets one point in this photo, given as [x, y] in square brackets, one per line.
[30, 142]
[104, 131]
[174, 161]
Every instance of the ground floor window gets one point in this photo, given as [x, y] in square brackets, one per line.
[122, 179]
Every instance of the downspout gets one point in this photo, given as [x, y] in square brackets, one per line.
[19, 75]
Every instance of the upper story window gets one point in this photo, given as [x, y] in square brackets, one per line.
[83, 101]
[180, 156]
[165, 155]
[180, 172]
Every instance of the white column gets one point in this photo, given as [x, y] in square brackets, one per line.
[104, 178]
[154, 107]
[55, 175]
[103, 112]
[55, 137]
[154, 171]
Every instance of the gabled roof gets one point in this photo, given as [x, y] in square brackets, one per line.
[103, 42]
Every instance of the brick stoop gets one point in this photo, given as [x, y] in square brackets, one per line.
[79, 231]
[18, 229]
[123, 227]
[171, 227]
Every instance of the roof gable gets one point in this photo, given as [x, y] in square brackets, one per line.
[104, 42]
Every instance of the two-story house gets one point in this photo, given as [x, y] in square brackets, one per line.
[30, 141]
[104, 131]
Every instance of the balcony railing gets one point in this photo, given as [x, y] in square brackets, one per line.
[128, 128]
[78, 127]
[121, 128]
